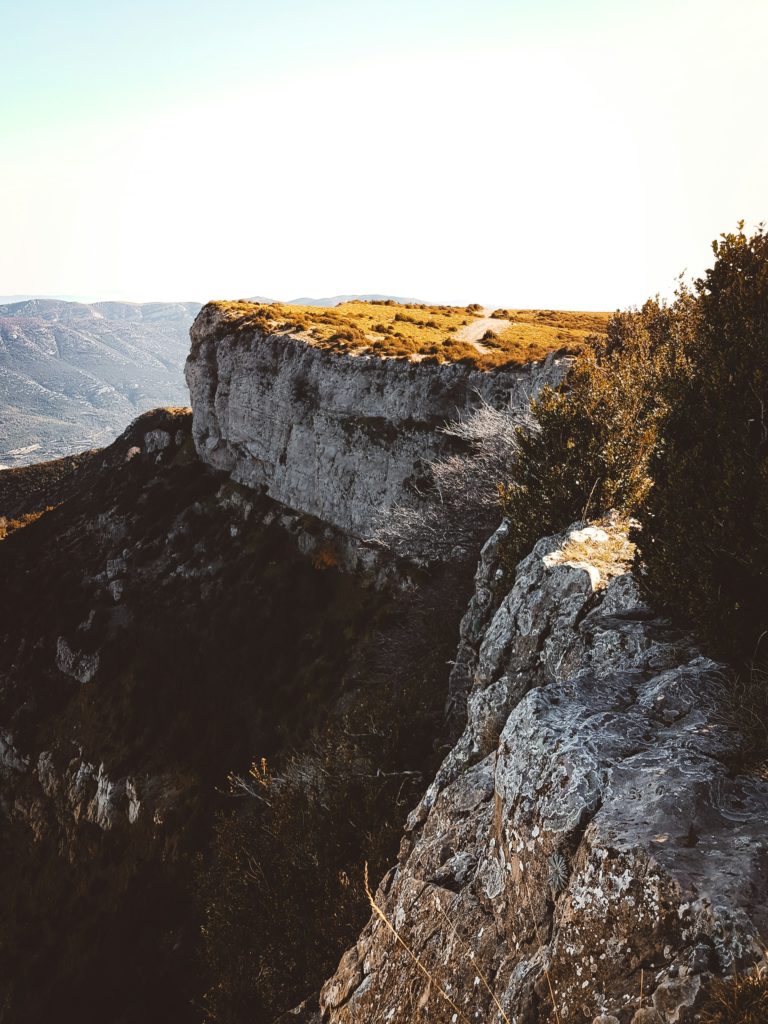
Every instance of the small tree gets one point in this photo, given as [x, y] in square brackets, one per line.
[593, 436]
[704, 538]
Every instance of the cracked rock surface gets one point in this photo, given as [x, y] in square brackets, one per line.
[590, 832]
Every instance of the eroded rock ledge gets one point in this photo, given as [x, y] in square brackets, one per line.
[337, 436]
[590, 831]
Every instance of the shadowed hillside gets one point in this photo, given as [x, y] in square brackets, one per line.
[159, 630]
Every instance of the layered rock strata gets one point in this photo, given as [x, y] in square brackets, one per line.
[591, 841]
[338, 436]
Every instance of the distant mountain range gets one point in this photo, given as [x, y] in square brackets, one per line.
[334, 300]
[73, 375]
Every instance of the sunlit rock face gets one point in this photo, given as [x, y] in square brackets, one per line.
[590, 839]
[338, 436]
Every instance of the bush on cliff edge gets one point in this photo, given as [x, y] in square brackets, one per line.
[704, 538]
[667, 420]
[592, 437]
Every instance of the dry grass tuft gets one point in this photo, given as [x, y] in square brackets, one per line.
[603, 547]
[9, 526]
[741, 999]
[470, 955]
[745, 708]
[419, 963]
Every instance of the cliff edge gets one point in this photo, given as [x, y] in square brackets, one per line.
[336, 435]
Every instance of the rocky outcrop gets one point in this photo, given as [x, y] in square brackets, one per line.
[590, 840]
[338, 436]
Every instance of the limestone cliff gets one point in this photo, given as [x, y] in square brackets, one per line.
[338, 436]
[591, 838]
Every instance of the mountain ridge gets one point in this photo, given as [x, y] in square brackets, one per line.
[73, 375]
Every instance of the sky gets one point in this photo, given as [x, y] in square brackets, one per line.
[525, 153]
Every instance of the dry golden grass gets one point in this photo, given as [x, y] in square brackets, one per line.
[741, 999]
[609, 552]
[579, 323]
[9, 526]
[396, 331]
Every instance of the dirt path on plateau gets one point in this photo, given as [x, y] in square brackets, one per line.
[474, 331]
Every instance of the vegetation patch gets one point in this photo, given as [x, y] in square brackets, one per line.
[534, 333]
[410, 331]
[740, 999]
[341, 686]
[665, 419]
[602, 549]
[588, 446]
[9, 526]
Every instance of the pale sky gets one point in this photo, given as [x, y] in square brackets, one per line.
[556, 153]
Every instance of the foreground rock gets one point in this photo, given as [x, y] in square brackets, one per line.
[590, 839]
[338, 436]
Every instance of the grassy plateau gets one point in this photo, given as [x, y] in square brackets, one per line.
[504, 337]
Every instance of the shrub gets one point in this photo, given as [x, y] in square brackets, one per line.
[9, 526]
[280, 891]
[592, 437]
[666, 419]
[704, 538]
[457, 502]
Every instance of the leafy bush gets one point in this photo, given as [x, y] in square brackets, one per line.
[704, 540]
[593, 436]
[667, 419]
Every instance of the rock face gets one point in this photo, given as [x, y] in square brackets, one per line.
[340, 437]
[589, 838]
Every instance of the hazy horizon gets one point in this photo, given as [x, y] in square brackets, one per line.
[92, 300]
[518, 154]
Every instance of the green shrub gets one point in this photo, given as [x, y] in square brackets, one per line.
[591, 439]
[704, 538]
[666, 419]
